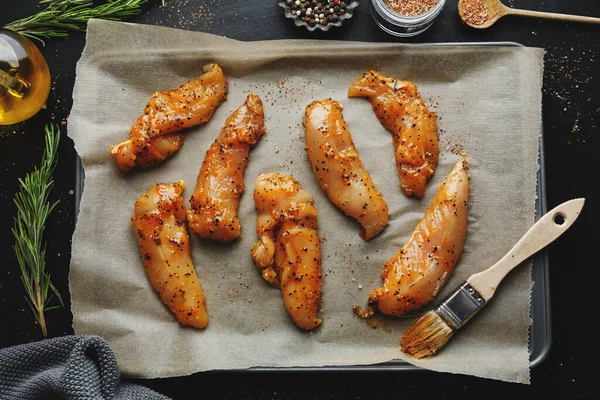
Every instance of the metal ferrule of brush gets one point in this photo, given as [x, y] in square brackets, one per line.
[460, 306]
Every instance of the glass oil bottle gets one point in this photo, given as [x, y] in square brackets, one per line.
[24, 78]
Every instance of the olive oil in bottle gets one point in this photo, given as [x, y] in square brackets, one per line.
[24, 78]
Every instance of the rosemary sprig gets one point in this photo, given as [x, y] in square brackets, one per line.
[33, 209]
[62, 16]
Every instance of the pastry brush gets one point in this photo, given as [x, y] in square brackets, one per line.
[434, 330]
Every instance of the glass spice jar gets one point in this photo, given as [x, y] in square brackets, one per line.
[24, 78]
[403, 25]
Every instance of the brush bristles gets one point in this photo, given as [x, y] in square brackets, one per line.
[426, 336]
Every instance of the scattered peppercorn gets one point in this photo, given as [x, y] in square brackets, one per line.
[315, 12]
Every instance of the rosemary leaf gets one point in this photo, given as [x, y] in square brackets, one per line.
[33, 210]
[61, 16]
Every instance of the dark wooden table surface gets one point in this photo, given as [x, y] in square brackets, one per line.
[571, 148]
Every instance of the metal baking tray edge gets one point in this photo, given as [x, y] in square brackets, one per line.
[540, 328]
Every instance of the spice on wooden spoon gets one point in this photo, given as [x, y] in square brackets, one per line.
[482, 14]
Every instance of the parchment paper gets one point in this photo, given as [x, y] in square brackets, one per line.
[489, 105]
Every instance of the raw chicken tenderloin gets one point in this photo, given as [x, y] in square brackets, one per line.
[154, 137]
[401, 110]
[415, 275]
[288, 252]
[159, 225]
[215, 201]
[338, 168]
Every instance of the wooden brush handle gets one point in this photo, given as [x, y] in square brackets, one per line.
[549, 15]
[553, 224]
[10, 81]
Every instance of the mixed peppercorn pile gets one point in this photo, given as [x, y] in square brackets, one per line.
[317, 11]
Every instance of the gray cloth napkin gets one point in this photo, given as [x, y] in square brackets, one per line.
[72, 367]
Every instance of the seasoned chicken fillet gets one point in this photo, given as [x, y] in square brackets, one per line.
[214, 203]
[401, 110]
[152, 151]
[415, 275]
[154, 135]
[159, 225]
[339, 170]
[288, 252]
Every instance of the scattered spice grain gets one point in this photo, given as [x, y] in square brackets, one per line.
[410, 7]
[474, 12]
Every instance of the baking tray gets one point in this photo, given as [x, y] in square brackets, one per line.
[540, 329]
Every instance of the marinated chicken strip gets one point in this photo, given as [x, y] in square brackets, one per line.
[288, 251]
[154, 137]
[339, 170]
[415, 275]
[159, 225]
[220, 181]
[155, 150]
[401, 110]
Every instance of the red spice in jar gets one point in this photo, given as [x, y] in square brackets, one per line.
[474, 12]
[410, 7]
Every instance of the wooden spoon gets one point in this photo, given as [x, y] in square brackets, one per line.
[496, 10]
